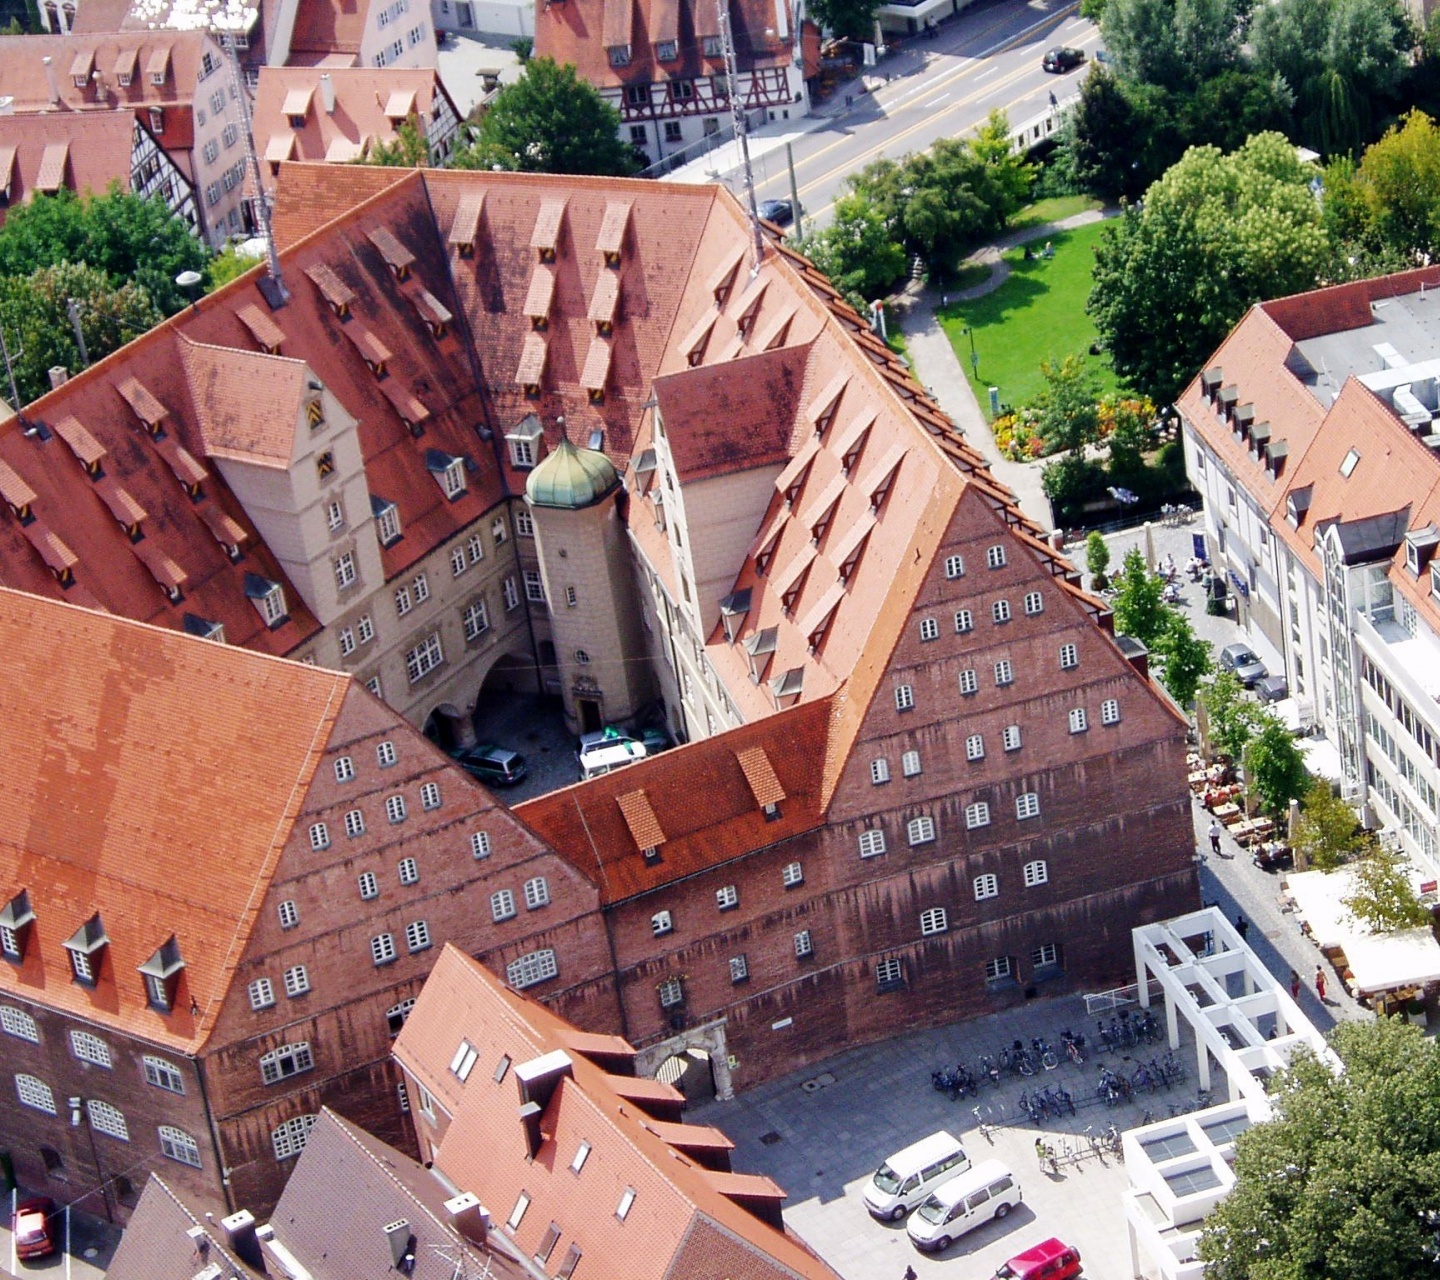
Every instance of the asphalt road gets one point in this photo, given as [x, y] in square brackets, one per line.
[985, 59]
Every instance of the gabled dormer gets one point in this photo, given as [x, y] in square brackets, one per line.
[1420, 547]
[86, 948]
[16, 926]
[161, 973]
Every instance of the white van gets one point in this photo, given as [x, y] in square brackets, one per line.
[988, 1191]
[909, 1176]
[608, 756]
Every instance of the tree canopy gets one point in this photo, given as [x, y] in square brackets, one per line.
[548, 121]
[1216, 234]
[857, 250]
[1326, 832]
[1172, 43]
[1274, 768]
[1233, 719]
[1382, 895]
[1344, 1183]
[1184, 657]
[1139, 608]
[1390, 202]
[407, 150]
[854, 18]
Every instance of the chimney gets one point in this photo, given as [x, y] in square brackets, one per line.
[59, 375]
[402, 1245]
[240, 1239]
[1135, 653]
[469, 1219]
[530, 1114]
[327, 93]
[200, 1240]
[53, 82]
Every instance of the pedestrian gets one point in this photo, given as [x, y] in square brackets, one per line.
[1320, 983]
[1242, 926]
[1215, 830]
[1294, 985]
[1053, 100]
[944, 300]
[910, 1274]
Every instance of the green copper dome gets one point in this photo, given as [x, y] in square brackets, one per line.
[571, 478]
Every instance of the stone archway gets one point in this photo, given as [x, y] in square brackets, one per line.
[448, 727]
[702, 1045]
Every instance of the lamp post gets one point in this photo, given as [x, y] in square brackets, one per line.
[969, 332]
[79, 1111]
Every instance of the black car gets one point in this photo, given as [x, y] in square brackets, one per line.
[498, 766]
[1062, 59]
[780, 212]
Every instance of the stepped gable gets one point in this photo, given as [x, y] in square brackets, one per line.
[143, 736]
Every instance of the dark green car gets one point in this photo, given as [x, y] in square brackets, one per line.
[499, 766]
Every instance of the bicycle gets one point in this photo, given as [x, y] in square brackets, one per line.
[985, 1129]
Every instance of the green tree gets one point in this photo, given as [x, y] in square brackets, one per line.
[227, 265]
[1216, 234]
[1101, 134]
[1390, 202]
[853, 18]
[1139, 605]
[1382, 895]
[36, 323]
[1343, 1182]
[1067, 412]
[1232, 718]
[548, 121]
[129, 239]
[407, 150]
[857, 250]
[1185, 658]
[1177, 44]
[1326, 832]
[1274, 768]
[1097, 558]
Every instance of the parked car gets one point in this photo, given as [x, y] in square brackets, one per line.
[987, 1192]
[608, 755]
[1272, 688]
[1241, 659]
[34, 1227]
[780, 212]
[498, 766]
[1062, 59]
[1050, 1260]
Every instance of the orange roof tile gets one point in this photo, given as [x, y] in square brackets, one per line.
[13, 489]
[532, 360]
[23, 77]
[611, 239]
[118, 501]
[760, 774]
[148, 409]
[261, 327]
[88, 450]
[548, 220]
[597, 365]
[53, 161]
[640, 818]
[606, 299]
[541, 291]
[465, 224]
[247, 403]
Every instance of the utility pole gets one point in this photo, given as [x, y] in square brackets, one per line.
[72, 309]
[794, 191]
[273, 286]
[737, 117]
[10, 371]
[79, 1112]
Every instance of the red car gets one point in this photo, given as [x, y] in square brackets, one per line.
[34, 1227]
[1052, 1260]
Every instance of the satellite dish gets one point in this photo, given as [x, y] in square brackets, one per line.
[188, 279]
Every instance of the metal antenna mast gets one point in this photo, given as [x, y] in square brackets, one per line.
[737, 117]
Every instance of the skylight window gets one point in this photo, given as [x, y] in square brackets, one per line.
[1347, 464]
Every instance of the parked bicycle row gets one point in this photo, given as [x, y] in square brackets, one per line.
[1068, 1148]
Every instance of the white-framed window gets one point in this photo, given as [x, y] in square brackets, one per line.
[452, 478]
[502, 904]
[929, 629]
[163, 1074]
[572, 597]
[385, 754]
[34, 1092]
[382, 948]
[288, 1139]
[479, 844]
[81, 966]
[872, 842]
[458, 562]
[537, 893]
[889, 973]
[288, 912]
[1077, 720]
[1010, 738]
[475, 620]
[1069, 657]
[537, 966]
[90, 1049]
[1004, 673]
[534, 586]
[920, 830]
[954, 566]
[369, 885]
[475, 548]
[1034, 603]
[261, 993]
[1036, 873]
[524, 523]
[421, 587]
[424, 657]
[964, 621]
[739, 969]
[1000, 611]
[1045, 956]
[286, 1061]
[661, 923]
[334, 515]
[417, 936]
[792, 874]
[345, 574]
[904, 697]
[999, 968]
[986, 886]
[933, 920]
[344, 769]
[179, 1145]
[107, 1120]
[395, 808]
[879, 770]
[297, 981]
[671, 992]
[9, 942]
[969, 681]
[511, 592]
[975, 747]
[402, 601]
[396, 1014]
[977, 815]
[995, 557]
[429, 795]
[910, 763]
[727, 897]
[364, 628]
[1027, 805]
[803, 945]
[354, 823]
[319, 836]
[1110, 711]
[387, 524]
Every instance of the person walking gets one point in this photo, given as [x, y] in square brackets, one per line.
[1242, 926]
[1294, 985]
[1320, 983]
[1215, 830]
[910, 1274]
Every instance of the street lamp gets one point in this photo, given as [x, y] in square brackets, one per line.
[78, 1110]
[969, 332]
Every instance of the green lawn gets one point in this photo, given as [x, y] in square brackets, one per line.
[1037, 314]
[1052, 209]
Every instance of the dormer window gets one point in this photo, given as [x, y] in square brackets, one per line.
[1435, 580]
[15, 922]
[87, 951]
[157, 119]
[710, 46]
[449, 472]
[162, 976]
[667, 50]
[268, 598]
[1420, 548]
[619, 55]
[387, 520]
[524, 442]
[733, 611]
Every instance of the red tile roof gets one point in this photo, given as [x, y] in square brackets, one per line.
[175, 54]
[81, 152]
[141, 737]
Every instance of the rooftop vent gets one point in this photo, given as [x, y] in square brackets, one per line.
[402, 1245]
[468, 1217]
[240, 1238]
